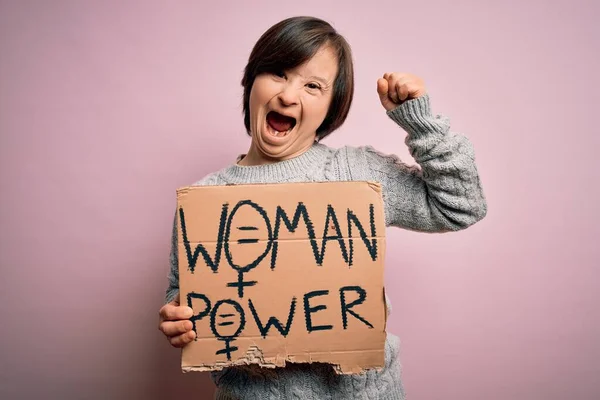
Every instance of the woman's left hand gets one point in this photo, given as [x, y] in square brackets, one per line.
[397, 87]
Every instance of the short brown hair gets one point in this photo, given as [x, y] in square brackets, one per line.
[292, 42]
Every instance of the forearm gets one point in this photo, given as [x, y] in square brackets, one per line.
[444, 192]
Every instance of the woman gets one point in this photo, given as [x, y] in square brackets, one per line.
[298, 88]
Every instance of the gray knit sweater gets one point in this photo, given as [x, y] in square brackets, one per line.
[444, 194]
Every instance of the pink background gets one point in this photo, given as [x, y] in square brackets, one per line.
[106, 108]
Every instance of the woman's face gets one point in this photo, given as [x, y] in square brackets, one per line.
[287, 108]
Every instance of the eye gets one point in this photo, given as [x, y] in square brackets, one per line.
[280, 74]
[313, 86]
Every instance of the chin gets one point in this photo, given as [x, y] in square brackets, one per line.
[274, 153]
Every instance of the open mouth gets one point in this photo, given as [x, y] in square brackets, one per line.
[280, 125]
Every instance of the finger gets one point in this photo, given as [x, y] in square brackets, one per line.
[395, 80]
[183, 339]
[175, 328]
[393, 94]
[402, 91]
[386, 76]
[382, 88]
[382, 91]
[171, 312]
[398, 78]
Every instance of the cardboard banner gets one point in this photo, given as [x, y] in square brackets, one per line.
[280, 273]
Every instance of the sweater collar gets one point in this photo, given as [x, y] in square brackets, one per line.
[279, 171]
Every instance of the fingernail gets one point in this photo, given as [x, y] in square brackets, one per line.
[189, 312]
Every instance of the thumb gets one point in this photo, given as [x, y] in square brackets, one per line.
[188, 312]
[382, 88]
[382, 91]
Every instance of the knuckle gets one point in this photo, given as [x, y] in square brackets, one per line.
[180, 340]
[182, 326]
[190, 336]
[169, 312]
[163, 328]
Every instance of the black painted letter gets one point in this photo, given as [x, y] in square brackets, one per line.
[240, 284]
[346, 308]
[372, 244]
[264, 330]
[193, 258]
[308, 310]
[202, 314]
[227, 338]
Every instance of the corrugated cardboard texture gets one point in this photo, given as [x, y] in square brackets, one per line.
[268, 288]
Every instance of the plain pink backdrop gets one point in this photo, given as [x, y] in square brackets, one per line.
[106, 107]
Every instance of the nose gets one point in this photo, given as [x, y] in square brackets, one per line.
[288, 96]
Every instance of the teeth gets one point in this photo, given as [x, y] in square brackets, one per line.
[279, 134]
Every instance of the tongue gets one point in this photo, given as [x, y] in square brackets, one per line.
[279, 122]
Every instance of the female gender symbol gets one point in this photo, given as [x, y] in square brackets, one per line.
[240, 284]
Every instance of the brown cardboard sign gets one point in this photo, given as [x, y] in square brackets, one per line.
[280, 273]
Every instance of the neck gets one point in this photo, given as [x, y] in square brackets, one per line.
[256, 157]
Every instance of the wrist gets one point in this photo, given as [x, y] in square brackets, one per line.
[413, 109]
[415, 117]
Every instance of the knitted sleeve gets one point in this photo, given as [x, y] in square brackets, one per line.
[443, 192]
[173, 288]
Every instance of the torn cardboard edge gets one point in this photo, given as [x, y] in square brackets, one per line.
[254, 356]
